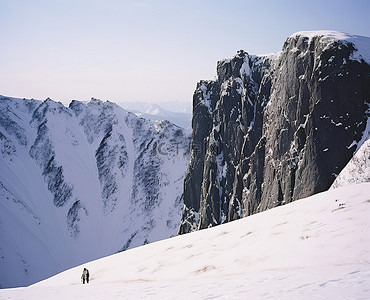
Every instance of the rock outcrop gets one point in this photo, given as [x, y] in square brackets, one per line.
[273, 129]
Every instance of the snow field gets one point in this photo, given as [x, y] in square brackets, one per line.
[315, 248]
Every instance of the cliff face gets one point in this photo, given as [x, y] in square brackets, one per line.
[273, 129]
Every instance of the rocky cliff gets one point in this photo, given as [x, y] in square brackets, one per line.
[276, 128]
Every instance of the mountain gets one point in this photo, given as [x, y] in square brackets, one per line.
[81, 182]
[275, 128]
[176, 112]
[314, 248]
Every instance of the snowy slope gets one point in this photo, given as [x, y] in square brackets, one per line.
[315, 248]
[83, 182]
[357, 170]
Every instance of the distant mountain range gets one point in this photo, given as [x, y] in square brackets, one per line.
[176, 112]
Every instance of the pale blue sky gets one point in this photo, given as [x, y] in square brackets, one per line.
[147, 50]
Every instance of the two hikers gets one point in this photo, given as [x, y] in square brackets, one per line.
[85, 276]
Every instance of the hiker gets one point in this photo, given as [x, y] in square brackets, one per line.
[85, 276]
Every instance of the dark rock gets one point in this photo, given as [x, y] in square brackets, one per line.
[273, 129]
[74, 217]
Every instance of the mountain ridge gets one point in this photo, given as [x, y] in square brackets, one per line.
[91, 176]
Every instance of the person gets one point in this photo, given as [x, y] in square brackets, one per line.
[85, 276]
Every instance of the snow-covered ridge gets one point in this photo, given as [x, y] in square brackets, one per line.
[361, 43]
[314, 248]
[82, 182]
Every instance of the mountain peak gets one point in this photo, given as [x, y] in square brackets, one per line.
[360, 43]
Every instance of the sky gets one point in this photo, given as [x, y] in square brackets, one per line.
[147, 50]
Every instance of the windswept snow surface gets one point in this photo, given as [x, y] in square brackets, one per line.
[361, 43]
[315, 248]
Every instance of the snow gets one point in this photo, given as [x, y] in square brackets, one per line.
[315, 248]
[305, 122]
[39, 239]
[357, 170]
[323, 79]
[245, 69]
[240, 90]
[361, 43]
[206, 97]
[225, 86]
[366, 133]
[336, 124]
